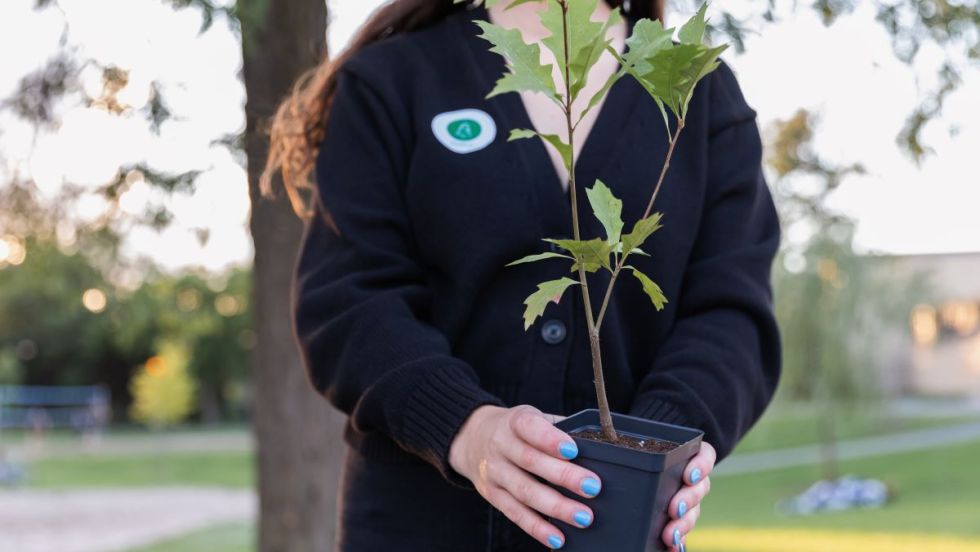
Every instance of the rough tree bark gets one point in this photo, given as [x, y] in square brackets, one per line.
[297, 433]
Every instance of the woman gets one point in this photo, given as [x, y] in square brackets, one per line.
[409, 321]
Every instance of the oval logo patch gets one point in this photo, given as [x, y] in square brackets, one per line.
[464, 131]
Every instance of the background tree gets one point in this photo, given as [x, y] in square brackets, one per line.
[298, 434]
[831, 302]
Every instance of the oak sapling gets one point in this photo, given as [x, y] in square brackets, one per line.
[668, 70]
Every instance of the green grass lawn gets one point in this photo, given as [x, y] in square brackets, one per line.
[937, 497]
[227, 469]
[935, 490]
[785, 425]
[122, 430]
[231, 537]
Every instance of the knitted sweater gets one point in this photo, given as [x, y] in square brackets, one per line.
[408, 319]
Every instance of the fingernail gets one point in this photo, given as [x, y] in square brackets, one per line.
[695, 475]
[591, 486]
[554, 541]
[583, 518]
[681, 508]
[683, 548]
[677, 537]
[568, 449]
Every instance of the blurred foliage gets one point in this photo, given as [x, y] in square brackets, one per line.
[51, 334]
[833, 308]
[949, 27]
[38, 92]
[44, 324]
[163, 390]
[833, 304]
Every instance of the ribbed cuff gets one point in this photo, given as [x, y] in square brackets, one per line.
[439, 404]
[659, 411]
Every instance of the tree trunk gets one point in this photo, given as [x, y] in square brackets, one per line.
[297, 433]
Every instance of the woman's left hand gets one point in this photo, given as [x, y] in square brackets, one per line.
[685, 508]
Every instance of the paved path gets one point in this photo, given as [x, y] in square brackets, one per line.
[114, 520]
[856, 448]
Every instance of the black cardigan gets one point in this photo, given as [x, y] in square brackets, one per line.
[409, 319]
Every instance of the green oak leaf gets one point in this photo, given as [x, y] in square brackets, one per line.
[538, 257]
[525, 70]
[692, 32]
[592, 254]
[588, 265]
[521, 133]
[550, 291]
[641, 231]
[586, 38]
[651, 288]
[563, 149]
[601, 93]
[674, 72]
[586, 59]
[608, 209]
[634, 251]
[648, 38]
[668, 71]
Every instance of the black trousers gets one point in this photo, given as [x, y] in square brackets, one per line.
[406, 506]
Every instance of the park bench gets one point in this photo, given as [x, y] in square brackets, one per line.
[84, 408]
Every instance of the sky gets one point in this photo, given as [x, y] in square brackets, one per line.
[846, 73]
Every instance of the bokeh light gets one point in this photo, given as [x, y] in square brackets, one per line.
[94, 300]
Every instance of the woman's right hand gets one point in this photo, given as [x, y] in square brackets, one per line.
[497, 447]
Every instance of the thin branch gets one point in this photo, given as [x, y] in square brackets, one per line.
[653, 197]
[663, 171]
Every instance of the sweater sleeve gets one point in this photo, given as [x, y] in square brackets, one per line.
[360, 300]
[718, 368]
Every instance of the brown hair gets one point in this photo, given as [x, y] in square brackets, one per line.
[298, 125]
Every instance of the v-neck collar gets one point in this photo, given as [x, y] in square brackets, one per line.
[601, 141]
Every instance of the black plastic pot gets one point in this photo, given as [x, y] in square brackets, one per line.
[637, 486]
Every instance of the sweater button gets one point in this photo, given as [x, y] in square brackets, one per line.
[553, 332]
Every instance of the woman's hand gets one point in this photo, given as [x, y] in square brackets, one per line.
[685, 507]
[497, 447]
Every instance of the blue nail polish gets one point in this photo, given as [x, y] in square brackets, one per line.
[554, 541]
[681, 508]
[568, 449]
[591, 486]
[683, 548]
[583, 518]
[695, 475]
[677, 537]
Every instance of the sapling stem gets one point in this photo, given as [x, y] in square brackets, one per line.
[605, 418]
[594, 324]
